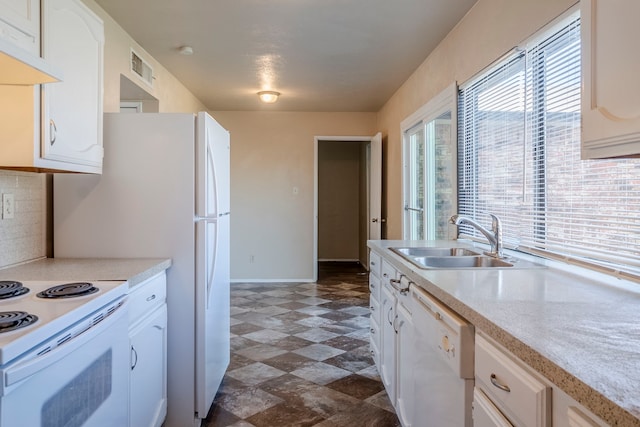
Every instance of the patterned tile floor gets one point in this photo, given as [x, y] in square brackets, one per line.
[300, 356]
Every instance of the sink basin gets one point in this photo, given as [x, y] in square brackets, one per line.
[458, 258]
[434, 252]
[460, 262]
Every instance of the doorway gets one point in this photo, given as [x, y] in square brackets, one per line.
[343, 198]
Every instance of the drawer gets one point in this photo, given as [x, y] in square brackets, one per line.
[517, 392]
[146, 296]
[375, 262]
[374, 287]
[388, 272]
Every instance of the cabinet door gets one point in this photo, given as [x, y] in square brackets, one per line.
[404, 362]
[388, 343]
[611, 89]
[73, 41]
[20, 23]
[485, 413]
[148, 380]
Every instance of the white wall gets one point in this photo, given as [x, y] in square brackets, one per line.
[173, 97]
[488, 31]
[271, 153]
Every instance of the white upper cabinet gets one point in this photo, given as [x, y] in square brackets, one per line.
[611, 88]
[20, 23]
[73, 40]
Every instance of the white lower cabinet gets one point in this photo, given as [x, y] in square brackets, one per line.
[404, 366]
[485, 413]
[514, 388]
[387, 367]
[394, 340]
[148, 341]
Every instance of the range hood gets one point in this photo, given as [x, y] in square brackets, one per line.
[19, 67]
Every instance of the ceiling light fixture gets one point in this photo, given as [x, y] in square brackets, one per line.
[186, 50]
[268, 96]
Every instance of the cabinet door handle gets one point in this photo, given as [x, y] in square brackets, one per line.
[53, 130]
[389, 313]
[372, 308]
[134, 358]
[151, 298]
[373, 331]
[495, 382]
[393, 283]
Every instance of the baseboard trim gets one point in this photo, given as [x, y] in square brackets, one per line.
[338, 260]
[309, 280]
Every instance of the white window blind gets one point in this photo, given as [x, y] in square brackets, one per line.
[519, 158]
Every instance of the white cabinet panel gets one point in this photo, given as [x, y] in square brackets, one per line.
[405, 398]
[485, 413]
[148, 364]
[611, 89]
[148, 384]
[73, 40]
[514, 389]
[387, 366]
[20, 23]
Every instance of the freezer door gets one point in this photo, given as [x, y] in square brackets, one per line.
[213, 169]
[212, 309]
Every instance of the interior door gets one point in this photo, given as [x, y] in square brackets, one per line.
[375, 188]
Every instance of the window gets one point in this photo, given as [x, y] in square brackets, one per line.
[519, 158]
[429, 168]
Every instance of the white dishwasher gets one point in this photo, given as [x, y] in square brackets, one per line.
[443, 363]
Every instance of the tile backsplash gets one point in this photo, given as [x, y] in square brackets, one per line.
[23, 237]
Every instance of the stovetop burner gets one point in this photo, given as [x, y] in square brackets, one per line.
[11, 320]
[11, 288]
[68, 290]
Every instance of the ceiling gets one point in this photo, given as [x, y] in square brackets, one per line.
[321, 55]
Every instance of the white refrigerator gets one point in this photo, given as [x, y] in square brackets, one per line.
[164, 192]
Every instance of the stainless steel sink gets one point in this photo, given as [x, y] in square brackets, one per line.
[460, 262]
[434, 252]
[458, 258]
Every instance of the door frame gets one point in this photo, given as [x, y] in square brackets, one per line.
[316, 141]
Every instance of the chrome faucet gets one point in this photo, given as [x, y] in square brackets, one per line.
[494, 236]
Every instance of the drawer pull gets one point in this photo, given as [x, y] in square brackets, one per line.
[372, 308]
[373, 331]
[372, 286]
[495, 382]
[151, 298]
[373, 263]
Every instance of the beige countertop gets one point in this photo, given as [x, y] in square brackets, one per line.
[133, 270]
[579, 328]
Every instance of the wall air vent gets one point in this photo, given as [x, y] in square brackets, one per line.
[141, 68]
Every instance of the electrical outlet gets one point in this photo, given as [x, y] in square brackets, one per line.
[8, 207]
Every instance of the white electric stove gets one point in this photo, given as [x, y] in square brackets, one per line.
[33, 311]
[64, 353]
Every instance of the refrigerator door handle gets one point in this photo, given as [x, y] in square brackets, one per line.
[210, 276]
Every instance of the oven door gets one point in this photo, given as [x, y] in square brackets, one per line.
[82, 382]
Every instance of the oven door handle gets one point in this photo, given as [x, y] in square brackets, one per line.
[23, 370]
